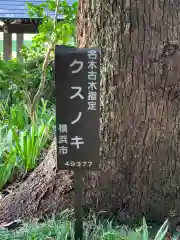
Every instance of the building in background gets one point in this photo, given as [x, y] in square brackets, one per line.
[16, 23]
[27, 41]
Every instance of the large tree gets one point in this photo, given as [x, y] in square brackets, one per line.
[140, 127]
[140, 100]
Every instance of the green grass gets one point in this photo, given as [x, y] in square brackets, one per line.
[22, 142]
[63, 229]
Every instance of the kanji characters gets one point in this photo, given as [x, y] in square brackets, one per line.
[63, 128]
[92, 64]
[79, 66]
[79, 90]
[92, 77]
[92, 96]
[63, 150]
[92, 106]
[92, 86]
[92, 54]
[77, 119]
[78, 93]
[63, 139]
[77, 141]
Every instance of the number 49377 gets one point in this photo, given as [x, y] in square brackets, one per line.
[78, 164]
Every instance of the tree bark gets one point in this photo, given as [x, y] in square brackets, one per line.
[140, 105]
[140, 116]
[41, 194]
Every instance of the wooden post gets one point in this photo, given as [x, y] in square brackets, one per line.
[78, 204]
[7, 46]
[19, 43]
[80, 154]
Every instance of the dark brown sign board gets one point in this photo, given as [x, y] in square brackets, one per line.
[77, 79]
[77, 84]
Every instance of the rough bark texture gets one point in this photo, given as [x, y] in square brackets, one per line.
[46, 192]
[41, 194]
[140, 106]
[140, 128]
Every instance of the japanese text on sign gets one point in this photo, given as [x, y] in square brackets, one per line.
[77, 96]
[92, 78]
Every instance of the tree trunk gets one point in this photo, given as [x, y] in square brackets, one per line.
[140, 127]
[140, 106]
[43, 193]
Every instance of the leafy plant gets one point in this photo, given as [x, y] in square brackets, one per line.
[13, 79]
[63, 29]
[19, 116]
[44, 110]
[20, 78]
[21, 142]
[7, 156]
[4, 106]
[29, 144]
[143, 234]
[6, 168]
[113, 235]
[51, 31]
[27, 120]
[62, 229]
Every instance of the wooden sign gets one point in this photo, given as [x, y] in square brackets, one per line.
[77, 80]
[77, 83]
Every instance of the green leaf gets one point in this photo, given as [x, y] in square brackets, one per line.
[51, 5]
[145, 235]
[162, 231]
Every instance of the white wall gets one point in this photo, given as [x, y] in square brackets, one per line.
[26, 36]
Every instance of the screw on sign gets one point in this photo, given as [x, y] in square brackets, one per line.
[77, 81]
